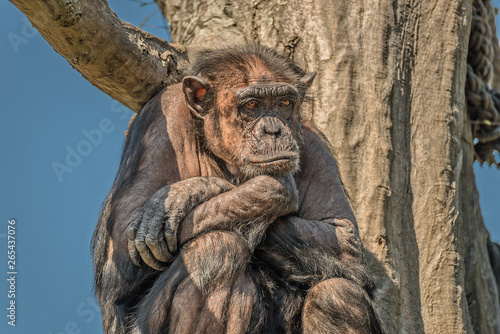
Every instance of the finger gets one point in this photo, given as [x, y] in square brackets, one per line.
[132, 250]
[146, 255]
[155, 240]
[158, 247]
[154, 236]
[170, 234]
[142, 247]
[176, 208]
[171, 242]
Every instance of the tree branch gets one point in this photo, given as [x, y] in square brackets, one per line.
[126, 63]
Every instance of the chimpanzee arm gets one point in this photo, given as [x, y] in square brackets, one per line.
[152, 236]
[321, 240]
[246, 210]
[144, 168]
[148, 170]
[159, 205]
[308, 251]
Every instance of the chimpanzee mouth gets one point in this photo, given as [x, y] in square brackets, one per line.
[282, 159]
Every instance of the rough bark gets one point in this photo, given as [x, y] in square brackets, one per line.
[389, 95]
[481, 285]
[126, 63]
[496, 46]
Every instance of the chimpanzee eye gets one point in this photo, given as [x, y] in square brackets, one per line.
[285, 107]
[251, 104]
[285, 102]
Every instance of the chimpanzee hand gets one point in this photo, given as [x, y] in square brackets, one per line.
[282, 192]
[246, 210]
[152, 236]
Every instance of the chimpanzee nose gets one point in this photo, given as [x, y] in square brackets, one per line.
[272, 126]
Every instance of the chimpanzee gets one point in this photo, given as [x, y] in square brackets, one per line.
[227, 214]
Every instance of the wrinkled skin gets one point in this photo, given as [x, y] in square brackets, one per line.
[153, 234]
[228, 215]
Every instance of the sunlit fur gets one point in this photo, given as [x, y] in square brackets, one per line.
[274, 254]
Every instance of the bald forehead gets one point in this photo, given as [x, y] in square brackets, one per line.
[253, 71]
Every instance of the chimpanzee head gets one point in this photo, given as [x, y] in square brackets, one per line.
[249, 100]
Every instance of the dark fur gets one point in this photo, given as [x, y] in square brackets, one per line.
[227, 63]
[262, 253]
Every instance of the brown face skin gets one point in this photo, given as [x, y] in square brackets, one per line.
[258, 132]
[228, 215]
[253, 124]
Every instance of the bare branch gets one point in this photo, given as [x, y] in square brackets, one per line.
[126, 63]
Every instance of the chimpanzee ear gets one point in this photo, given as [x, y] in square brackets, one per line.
[307, 79]
[196, 90]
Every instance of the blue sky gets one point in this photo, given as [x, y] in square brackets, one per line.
[47, 112]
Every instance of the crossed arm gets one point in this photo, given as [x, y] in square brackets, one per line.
[179, 212]
[305, 250]
[309, 226]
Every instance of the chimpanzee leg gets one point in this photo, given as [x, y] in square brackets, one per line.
[206, 290]
[339, 306]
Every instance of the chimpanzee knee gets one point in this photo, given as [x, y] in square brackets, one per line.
[338, 305]
[204, 286]
[214, 258]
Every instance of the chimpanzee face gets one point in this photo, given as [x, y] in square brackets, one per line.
[251, 123]
[270, 116]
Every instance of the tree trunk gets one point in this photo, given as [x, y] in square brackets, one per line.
[389, 96]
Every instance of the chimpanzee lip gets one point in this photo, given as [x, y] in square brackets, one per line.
[282, 158]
